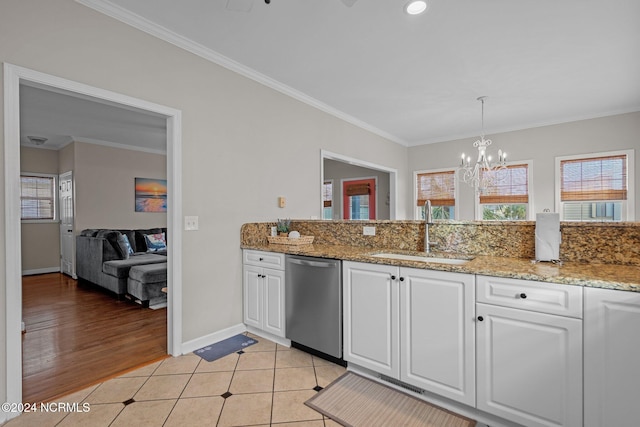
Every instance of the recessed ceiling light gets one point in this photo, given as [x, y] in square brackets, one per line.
[415, 7]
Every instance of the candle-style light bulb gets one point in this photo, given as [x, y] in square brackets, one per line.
[462, 162]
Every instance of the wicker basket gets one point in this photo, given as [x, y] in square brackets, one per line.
[282, 240]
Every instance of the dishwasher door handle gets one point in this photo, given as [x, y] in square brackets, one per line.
[312, 263]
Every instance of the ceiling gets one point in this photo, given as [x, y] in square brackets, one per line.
[61, 117]
[416, 79]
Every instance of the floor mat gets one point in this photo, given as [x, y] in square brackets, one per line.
[225, 347]
[355, 401]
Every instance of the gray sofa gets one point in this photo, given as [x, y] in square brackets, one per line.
[103, 259]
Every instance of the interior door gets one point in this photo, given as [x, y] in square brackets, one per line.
[359, 198]
[67, 236]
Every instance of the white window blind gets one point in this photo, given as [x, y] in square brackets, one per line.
[37, 197]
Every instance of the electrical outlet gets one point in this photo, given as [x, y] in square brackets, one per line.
[190, 223]
[369, 231]
[282, 202]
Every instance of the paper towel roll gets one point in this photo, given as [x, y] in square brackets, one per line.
[547, 236]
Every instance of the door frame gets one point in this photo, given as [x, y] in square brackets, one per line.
[73, 225]
[373, 207]
[13, 76]
[393, 177]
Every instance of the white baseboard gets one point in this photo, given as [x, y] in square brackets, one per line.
[189, 346]
[266, 335]
[41, 271]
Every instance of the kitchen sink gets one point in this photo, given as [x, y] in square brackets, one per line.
[403, 257]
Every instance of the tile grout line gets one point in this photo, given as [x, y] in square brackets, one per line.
[183, 389]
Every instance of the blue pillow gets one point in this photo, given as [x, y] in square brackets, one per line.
[156, 242]
[127, 244]
[123, 247]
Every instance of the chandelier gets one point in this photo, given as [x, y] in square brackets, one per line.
[483, 173]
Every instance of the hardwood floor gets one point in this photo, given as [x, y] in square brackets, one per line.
[77, 335]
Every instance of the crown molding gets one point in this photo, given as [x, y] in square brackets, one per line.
[136, 21]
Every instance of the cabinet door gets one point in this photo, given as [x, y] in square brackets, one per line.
[438, 332]
[611, 355]
[252, 298]
[529, 366]
[273, 293]
[371, 323]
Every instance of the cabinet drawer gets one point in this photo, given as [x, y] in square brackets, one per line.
[264, 259]
[543, 297]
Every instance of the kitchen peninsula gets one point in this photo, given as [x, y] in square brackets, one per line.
[490, 335]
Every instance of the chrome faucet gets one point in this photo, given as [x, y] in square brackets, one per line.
[428, 220]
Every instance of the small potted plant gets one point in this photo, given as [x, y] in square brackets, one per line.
[283, 226]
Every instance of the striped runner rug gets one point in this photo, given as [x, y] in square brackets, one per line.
[355, 401]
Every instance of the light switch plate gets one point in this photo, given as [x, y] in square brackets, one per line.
[369, 231]
[190, 223]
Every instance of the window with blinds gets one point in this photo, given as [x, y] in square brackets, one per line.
[327, 200]
[508, 198]
[595, 188]
[598, 178]
[37, 197]
[439, 187]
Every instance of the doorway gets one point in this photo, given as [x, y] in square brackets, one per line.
[67, 238]
[359, 198]
[14, 76]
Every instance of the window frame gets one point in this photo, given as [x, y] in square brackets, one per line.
[56, 217]
[417, 210]
[530, 204]
[628, 206]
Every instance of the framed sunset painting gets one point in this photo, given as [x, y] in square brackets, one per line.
[151, 195]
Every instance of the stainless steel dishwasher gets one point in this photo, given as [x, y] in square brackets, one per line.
[314, 305]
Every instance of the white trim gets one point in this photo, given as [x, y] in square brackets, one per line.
[456, 192]
[494, 131]
[393, 177]
[41, 271]
[530, 208]
[121, 146]
[13, 261]
[631, 163]
[192, 345]
[13, 76]
[126, 16]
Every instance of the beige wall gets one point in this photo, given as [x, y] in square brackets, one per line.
[237, 135]
[104, 179]
[40, 241]
[541, 145]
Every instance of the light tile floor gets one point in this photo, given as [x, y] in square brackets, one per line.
[266, 385]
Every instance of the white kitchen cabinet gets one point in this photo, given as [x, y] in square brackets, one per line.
[529, 362]
[437, 340]
[413, 325]
[611, 355]
[263, 287]
[370, 317]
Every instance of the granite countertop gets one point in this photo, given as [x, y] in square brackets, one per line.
[610, 276]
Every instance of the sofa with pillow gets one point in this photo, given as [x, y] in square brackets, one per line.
[104, 257]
